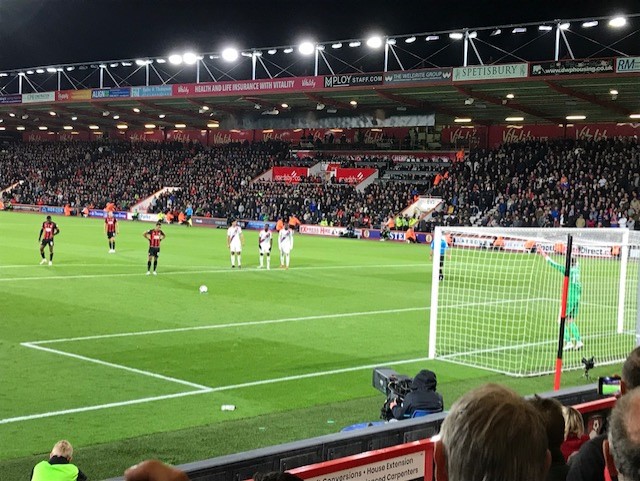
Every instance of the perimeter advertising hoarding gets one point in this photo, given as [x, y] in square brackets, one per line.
[111, 93]
[422, 75]
[38, 97]
[352, 80]
[490, 72]
[152, 91]
[242, 87]
[187, 136]
[628, 64]
[353, 175]
[572, 67]
[11, 99]
[120, 215]
[70, 95]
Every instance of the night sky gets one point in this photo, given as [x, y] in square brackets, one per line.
[45, 32]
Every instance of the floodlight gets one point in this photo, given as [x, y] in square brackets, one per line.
[122, 126]
[306, 48]
[288, 50]
[136, 110]
[576, 117]
[51, 69]
[634, 116]
[25, 116]
[473, 34]
[74, 118]
[617, 22]
[495, 33]
[462, 120]
[69, 69]
[409, 40]
[320, 47]
[564, 26]
[213, 125]
[190, 58]
[336, 45]
[161, 60]
[67, 127]
[180, 126]
[42, 127]
[174, 59]
[456, 36]
[355, 43]
[141, 62]
[392, 41]
[4, 74]
[52, 113]
[205, 107]
[545, 28]
[592, 23]
[272, 51]
[320, 106]
[229, 54]
[374, 42]
[113, 65]
[510, 96]
[514, 119]
[354, 102]
[431, 38]
[149, 126]
[246, 54]
[613, 92]
[285, 106]
[11, 114]
[30, 72]
[94, 127]
[257, 53]
[519, 30]
[126, 64]
[162, 116]
[20, 127]
[105, 113]
[116, 117]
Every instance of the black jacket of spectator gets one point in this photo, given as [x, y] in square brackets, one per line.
[423, 396]
[588, 463]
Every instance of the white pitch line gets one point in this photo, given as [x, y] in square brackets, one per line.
[209, 390]
[204, 271]
[117, 366]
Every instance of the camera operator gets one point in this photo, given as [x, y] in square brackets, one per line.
[421, 397]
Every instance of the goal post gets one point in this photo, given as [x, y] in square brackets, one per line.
[497, 304]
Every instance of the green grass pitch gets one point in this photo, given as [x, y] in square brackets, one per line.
[148, 361]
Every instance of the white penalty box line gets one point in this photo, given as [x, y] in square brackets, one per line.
[199, 388]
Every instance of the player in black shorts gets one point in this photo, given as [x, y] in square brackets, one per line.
[154, 236]
[48, 231]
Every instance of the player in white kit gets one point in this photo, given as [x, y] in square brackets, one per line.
[265, 241]
[235, 241]
[285, 243]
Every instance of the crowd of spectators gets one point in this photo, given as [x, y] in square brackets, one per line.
[570, 183]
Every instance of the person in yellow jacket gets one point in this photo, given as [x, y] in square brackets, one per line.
[58, 467]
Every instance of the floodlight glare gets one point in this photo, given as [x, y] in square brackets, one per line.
[545, 28]
[205, 107]
[272, 51]
[113, 65]
[617, 22]
[74, 118]
[52, 113]
[94, 127]
[519, 30]
[67, 127]
[473, 35]
[213, 125]
[11, 114]
[161, 60]
[122, 126]
[634, 116]
[230, 54]
[246, 54]
[162, 116]
[355, 43]
[149, 126]
[136, 110]
[392, 41]
[288, 50]
[20, 127]
[174, 59]
[30, 72]
[462, 120]
[593, 23]
[613, 92]
[456, 36]
[180, 126]
[116, 117]
[306, 48]
[510, 96]
[42, 127]
[69, 69]
[190, 58]
[431, 38]
[285, 106]
[564, 26]
[320, 47]
[495, 33]
[514, 119]
[576, 117]
[336, 45]
[141, 62]
[51, 70]
[374, 42]
[409, 40]
[354, 102]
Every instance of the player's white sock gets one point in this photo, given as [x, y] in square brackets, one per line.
[261, 261]
[239, 260]
[287, 257]
[233, 260]
[268, 261]
[281, 259]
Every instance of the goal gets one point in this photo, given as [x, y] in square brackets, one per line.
[496, 301]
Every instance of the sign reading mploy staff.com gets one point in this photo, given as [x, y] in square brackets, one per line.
[491, 72]
[402, 468]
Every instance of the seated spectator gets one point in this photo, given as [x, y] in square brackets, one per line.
[551, 411]
[493, 434]
[59, 466]
[622, 448]
[574, 436]
[154, 470]
[423, 397]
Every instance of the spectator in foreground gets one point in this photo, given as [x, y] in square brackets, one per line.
[622, 448]
[59, 466]
[492, 433]
[551, 411]
[154, 470]
[574, 436]
[589, 463]
[422, 397]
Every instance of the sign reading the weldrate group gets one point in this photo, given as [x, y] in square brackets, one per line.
[422, 75]
[628, 64]
[490, 72]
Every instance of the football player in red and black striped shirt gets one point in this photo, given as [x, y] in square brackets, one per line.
[47, 232]
[111, 229]
[154, 236]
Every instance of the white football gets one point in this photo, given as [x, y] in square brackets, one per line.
[204, 289]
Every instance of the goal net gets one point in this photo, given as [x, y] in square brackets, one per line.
[496, 297]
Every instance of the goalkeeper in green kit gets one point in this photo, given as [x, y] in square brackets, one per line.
[571, 332]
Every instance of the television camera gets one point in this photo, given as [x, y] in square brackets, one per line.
[393, 385]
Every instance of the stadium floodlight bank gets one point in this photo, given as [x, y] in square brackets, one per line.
[498, 304]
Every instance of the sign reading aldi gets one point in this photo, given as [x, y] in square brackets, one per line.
[572, 67]
[490, 72]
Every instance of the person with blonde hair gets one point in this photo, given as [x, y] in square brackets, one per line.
[58, 467]
[574, 436]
